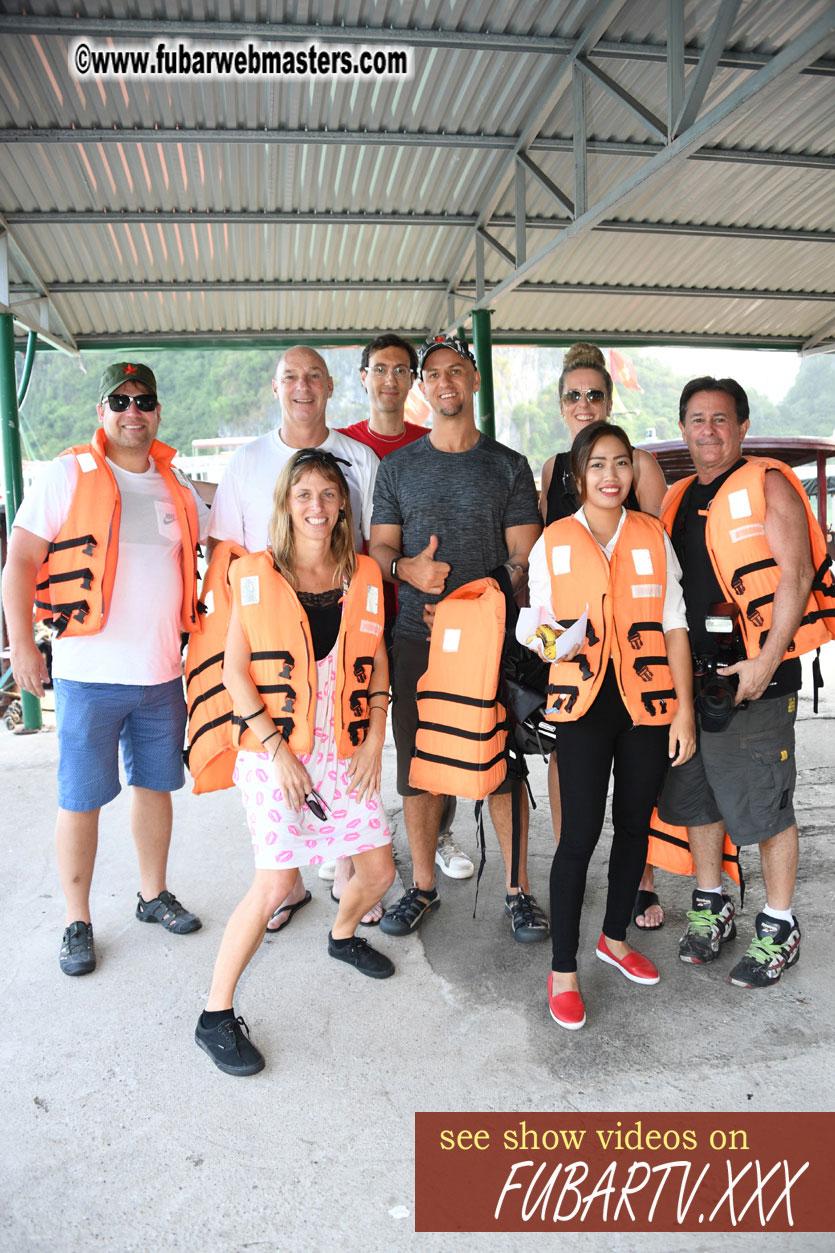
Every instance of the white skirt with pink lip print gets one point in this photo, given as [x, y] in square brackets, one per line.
[282, 836]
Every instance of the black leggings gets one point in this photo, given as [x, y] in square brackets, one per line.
[586, 750]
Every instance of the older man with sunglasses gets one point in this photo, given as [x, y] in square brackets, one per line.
[104, 547]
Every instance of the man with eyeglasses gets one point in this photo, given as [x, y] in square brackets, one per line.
[243, 502]
[448, 509]
[104, 547]
[387, 368]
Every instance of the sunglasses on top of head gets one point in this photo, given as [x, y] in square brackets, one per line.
[146, 402]
[592, 394]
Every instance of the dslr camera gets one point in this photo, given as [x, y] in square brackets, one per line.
[715, 693]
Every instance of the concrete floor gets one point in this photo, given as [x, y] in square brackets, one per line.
[120, 1134]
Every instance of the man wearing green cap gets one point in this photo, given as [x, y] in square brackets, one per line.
[104, 547]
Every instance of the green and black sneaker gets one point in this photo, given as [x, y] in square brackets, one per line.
[775, 948]
[710, 924]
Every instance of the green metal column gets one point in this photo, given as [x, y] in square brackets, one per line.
[13, 468]
[483, 344]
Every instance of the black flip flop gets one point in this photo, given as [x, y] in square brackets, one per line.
[289, 910]
[643, 900]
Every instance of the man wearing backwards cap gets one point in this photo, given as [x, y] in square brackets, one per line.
[118, 529]
[448, 509]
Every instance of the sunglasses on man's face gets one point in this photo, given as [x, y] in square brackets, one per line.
[120, 401]
[593, 395]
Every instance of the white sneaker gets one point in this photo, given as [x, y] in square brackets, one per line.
[454, 863]
[327, 871]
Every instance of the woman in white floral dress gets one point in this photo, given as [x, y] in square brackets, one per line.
[303, 808]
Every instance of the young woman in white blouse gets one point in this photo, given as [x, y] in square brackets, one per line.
[622, 698]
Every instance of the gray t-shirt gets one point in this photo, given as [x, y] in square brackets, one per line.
[467, 499]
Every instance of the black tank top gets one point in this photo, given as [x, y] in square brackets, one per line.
[562, 501]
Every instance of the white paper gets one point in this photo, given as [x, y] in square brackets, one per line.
[531, 619]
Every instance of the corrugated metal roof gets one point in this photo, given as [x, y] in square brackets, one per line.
[224, 168]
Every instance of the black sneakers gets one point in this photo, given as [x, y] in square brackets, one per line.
[775, 948]
[407, 915]
[167, 910]
[710, 925]
[78, 955]
[358, 952]
[230, 1050]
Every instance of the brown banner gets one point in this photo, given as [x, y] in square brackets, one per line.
[624, 1172]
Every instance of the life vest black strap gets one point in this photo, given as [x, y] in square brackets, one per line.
[641, 664]
[355, 700]
[85, 576]
[460, 765]
[752, 611]
[354, 728]
[648, 699]
[204, 665]
[284, 725]
[566, 693]
[816, 615]
[445, 729]
[767, 563]
[288, 659]
[819, 582]
[633, 635]
[86, 541]
[220, 721]
[61, 614]
[457, 700]
[359, 668]
[204, 696]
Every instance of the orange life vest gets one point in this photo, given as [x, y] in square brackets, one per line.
[743, 564]
[75, 583]
[462, 726]
[625, 599]
[271, 614]
[211, 753]
[669, 849]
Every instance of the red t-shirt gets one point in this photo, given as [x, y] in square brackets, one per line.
[382, 445]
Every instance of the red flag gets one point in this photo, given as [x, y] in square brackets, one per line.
[622, 370]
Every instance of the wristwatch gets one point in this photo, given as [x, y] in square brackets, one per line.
[393, 570]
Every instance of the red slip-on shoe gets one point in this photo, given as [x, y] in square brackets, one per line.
[566, 1008]
[636, 967]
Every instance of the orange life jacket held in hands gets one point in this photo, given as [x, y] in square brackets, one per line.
[625, 599]
[211, 753]
[75, 583]
[462, 726]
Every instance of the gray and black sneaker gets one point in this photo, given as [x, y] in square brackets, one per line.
[528, 922]
[710, 924]
[775, 948]
[230, 1050]
[78, 954]
[167, 910]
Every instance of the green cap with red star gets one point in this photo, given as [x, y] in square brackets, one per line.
[126, 372]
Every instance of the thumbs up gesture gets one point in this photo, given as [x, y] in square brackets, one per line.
[425, 573]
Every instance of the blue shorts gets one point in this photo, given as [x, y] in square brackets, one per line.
[93, 718]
